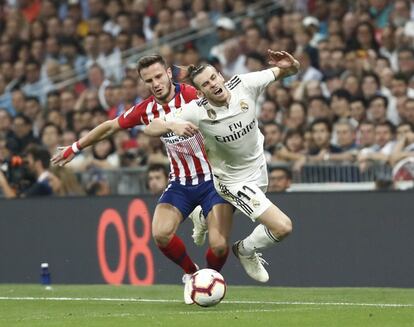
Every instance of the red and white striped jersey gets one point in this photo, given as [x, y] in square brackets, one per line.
[188, 158]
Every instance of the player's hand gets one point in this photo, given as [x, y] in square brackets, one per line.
[63, 155]
[281, 59]
[184, 129]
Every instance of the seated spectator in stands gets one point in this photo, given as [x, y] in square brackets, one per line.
[5, 97]
[5, 123]
[33, 110]
[370, 85]
[37, 161]
[406, 61]
[157, 178]
[65, 183]
[255, 62]
[272, 132]
[268, 112]
[293, 148]
[103, 155]
[22, 134]
[345, 139]
[97, 183]
[18, 101]
[383, 147]
[409, 110]
[296, 116]
[306, 71]
[340, 104]
[34, 85]
[366, 134]
[358, 110]
[399, 89]
[377, 109]
[351, 84]
[50, 137]
[280, 179]
[404, 147]
[321, 130]
[318, 108]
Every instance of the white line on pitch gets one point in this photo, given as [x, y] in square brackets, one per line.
[106, 299]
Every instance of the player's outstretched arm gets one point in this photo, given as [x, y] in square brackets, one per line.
[160, 127]
[284, 64]
[100, 132]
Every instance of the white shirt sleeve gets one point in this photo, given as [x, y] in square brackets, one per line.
[188, 112]
[256, 82]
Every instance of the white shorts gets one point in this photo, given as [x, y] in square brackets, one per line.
[248, 196]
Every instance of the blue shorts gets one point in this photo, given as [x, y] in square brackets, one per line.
[186, 197]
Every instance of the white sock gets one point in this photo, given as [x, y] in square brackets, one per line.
[261, 238]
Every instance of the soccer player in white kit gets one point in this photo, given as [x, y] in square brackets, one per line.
[226, 116]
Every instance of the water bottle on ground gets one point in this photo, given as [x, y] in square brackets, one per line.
[45, 276]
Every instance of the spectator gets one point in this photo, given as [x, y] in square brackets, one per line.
[272, 138]
[358, 110]
[157, 179]
[22, 134]
[38, 162]
[280, 179]
[377, 109]
[404, 147]
[383, 147]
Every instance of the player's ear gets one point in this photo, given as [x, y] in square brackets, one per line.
[200, 94]
[169, 72]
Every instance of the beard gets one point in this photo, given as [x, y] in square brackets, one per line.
[165, 96]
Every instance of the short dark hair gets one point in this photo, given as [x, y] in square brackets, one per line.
[378, 96]
[406, 123]
[39, 153]
[359, 99]
[26, 119]
[285, 169]
[57, 128]
[342, 94]
[324, 121]
[388, 124]
[150, 60]
[158, 167]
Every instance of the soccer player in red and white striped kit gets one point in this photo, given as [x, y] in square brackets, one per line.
[190, 182]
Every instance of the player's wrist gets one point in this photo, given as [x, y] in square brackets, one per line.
[76, 148]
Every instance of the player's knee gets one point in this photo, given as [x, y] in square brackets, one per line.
[285, 228]
[161, 238]
[219, 246]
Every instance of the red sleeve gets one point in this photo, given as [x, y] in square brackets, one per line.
[189, 92]
[133, 116]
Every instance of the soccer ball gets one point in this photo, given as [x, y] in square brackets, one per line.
[207, 287]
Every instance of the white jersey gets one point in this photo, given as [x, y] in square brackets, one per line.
[232, 137]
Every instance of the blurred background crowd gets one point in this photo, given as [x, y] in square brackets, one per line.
[68, 65]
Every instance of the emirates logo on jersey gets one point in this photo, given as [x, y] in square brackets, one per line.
[244, 106]
[211, 114]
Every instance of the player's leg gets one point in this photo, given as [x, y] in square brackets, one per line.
[274, 226]
[219, 221]
[173, 205]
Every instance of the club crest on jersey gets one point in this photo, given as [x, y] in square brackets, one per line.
[244, 106]
[211, 114]
[255, 203]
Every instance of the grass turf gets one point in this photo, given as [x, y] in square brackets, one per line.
[161, 305]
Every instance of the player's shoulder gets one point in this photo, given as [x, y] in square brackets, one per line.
[201, 102]
[234, 82]
[139, 108]
[188, 92]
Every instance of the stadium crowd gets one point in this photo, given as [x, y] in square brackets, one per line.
[352, 100]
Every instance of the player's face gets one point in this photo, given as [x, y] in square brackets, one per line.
[211, 84]
[158, 80]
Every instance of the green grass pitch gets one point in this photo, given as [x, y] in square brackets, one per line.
[162, 305]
